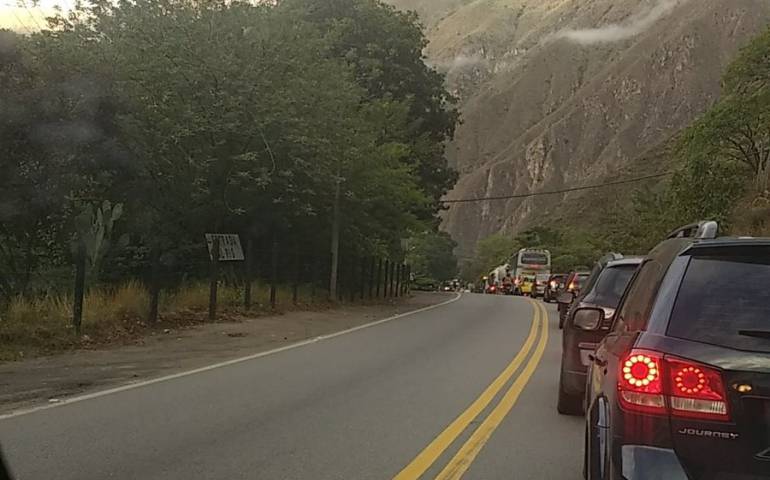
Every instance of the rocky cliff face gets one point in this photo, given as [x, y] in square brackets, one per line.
[564, 93]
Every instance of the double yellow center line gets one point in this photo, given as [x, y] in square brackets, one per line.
[460, 462]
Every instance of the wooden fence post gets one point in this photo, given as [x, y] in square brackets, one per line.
[352, 279]
[362, 285]
[273, 273]
[297, 274]
[80, 286]
[214, 279]
[249, 272]
[398, 279]
[154, 287]
[385, 279]
[371, 277]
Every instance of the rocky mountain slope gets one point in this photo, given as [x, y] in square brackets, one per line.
[563, 93]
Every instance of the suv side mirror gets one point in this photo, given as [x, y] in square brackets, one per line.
[588, 319]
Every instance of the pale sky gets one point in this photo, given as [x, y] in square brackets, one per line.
[28, 16]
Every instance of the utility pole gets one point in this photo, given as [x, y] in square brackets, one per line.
[335, 247]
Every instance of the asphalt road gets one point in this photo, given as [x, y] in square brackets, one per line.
[467, 389]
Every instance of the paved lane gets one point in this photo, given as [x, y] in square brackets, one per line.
[357, 406]
[534, 441]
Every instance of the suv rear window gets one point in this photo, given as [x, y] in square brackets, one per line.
[719, 298]
[611, 284]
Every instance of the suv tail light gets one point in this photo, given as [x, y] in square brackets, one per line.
[696, 390]
[640, 383]
[652, 383]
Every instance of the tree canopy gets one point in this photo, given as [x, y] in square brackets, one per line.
[219, 117]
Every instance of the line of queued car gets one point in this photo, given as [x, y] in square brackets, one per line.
[667, 356]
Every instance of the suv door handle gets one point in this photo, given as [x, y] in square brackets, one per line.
[596, 360]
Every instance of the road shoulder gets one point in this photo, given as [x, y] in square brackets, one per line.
[31, 383]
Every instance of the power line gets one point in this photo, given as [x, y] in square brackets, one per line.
[31, 14]
[12, 9]
[557, 192]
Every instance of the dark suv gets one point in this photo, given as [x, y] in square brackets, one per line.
[680, 387]
[570, 292]
[603, 290]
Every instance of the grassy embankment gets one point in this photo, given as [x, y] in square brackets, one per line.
[38, 326]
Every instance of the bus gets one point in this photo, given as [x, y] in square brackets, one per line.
[532, 265]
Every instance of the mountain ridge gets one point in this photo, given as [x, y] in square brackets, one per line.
[564, 93]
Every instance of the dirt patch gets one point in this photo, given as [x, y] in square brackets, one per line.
[50, 379]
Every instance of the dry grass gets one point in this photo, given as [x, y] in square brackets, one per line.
[32, 326]
[35, 326]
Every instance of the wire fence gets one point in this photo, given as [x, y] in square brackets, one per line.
[270, 274]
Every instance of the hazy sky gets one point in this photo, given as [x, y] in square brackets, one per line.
[32, 17]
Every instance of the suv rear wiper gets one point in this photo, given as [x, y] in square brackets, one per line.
[755, 333]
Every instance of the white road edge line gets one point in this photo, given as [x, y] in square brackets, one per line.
[292, 346]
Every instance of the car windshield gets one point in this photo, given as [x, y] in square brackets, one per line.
[610, 286]
[315, 239]
[722, 297]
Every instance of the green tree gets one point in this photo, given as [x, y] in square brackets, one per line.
[384, 48]
[432, 256]
[491, 252]
[57, 132]
[749, 74]
[218, 116]
[728, 149]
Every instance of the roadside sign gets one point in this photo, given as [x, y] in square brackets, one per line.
[230, 249]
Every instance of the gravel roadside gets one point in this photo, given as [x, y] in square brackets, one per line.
[50, 379]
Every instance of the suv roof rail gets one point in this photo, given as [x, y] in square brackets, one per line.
[702, 230]
[610, 257]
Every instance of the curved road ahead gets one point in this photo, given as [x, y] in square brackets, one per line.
[463, 390]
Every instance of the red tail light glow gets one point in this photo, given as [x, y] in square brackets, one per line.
[641, 371]
[696, 390]
[640, 385]
[652, 383]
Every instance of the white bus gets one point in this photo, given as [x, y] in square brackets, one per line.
[534, 264]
